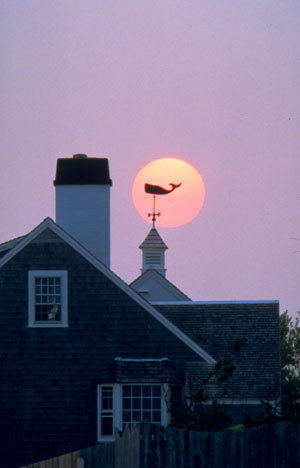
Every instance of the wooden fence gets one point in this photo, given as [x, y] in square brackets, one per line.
[99, 456]
[151, 446]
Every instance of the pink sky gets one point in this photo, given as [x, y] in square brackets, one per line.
[214, 83]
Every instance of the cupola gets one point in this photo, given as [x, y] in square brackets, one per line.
[82, 187]
[153, 249]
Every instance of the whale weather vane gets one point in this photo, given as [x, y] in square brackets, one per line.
[157, 190]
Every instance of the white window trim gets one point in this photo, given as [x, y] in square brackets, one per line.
[117, 406]
[63, 275]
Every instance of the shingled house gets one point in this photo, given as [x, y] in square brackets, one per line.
[82, 352]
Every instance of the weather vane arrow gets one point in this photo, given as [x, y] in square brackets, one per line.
[157, 190]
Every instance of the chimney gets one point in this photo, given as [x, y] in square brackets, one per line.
[82, 187]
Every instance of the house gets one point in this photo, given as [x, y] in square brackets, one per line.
[83, 352]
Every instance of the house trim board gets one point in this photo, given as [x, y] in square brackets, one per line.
[48, 223]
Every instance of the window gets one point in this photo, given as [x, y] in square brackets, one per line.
[47, 298]
[106, 411]
[141, 403]
[122, 405]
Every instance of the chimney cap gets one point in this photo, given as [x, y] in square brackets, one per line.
[81, 170]
[79, 156]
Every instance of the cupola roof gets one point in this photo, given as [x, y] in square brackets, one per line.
[153, 241]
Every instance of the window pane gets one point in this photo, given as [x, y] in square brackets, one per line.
[126, 390]
[136, 403]
[156, 390]
[146, 390]
[147, 416]
[156, 416]
[156, 403]
[106, 398]
[136, 416]
[136, 390]
[126, 416]
[126, 403]
[146, 403]
[106, 426]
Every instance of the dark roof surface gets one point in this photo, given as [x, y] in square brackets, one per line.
[153, 241]
[143, 370]
[248, 332]
[82, 171]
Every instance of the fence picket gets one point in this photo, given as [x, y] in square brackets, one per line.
[151, 446]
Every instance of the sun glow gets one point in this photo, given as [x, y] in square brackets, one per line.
[179, 205]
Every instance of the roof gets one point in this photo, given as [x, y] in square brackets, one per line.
[48, 223]
[6, 246]
[153, 241]
[143, 370]
[248, 332]
[142, 280]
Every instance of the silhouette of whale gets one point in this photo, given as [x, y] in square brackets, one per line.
[157, 190]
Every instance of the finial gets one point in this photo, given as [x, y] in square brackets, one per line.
[154, 215]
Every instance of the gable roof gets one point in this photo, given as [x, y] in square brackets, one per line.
[6, 246]
[48, 223]
[247, 331]
[153, 274]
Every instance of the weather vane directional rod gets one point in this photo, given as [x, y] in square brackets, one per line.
[154, 215]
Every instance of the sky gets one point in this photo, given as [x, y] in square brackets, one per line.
[215, 83]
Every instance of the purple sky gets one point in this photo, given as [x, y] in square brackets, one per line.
[214, 83]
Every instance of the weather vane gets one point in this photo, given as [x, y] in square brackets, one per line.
[157, 190]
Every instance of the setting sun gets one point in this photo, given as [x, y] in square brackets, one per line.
[178, 188]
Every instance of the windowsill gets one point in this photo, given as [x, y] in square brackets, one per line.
[106, 439]
[48, 325]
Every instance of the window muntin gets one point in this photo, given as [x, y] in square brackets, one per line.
[141, 403]
[106, 402]
[120, 405]
[47, 298]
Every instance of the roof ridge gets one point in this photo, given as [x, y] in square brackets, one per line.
[49, 223]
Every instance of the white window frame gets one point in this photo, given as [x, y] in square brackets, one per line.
[63, 275]
[117, 406]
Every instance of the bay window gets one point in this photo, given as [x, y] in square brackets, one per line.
[121, 405]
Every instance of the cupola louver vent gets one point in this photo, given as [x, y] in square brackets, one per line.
[153, 258]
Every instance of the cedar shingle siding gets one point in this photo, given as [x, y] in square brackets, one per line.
[49, 376]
